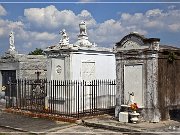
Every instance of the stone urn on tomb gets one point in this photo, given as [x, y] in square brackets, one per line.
[134, 117]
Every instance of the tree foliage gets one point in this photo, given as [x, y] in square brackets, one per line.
[37, 51]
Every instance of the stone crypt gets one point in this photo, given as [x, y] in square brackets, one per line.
[81, 60]
[149, 71]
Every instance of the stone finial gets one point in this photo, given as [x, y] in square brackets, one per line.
[82, 27]
[83, 37]
[11, 41]
[65, 38]
[156, 45]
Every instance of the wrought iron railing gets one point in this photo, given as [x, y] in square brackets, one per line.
[67, 97]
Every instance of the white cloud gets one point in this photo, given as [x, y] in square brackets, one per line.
[28, 45]
[111, 31]
[42, 17]
[152, 20]
[125, 16]
[40, 26]
[86, 16]
[24, 39]
[52, 18]
[35, 36]
[3, 12]
[29, 40]
[109, 27]
[43, 36]
[171, 7]
[154, 13]
[174, 27]
[6, 26]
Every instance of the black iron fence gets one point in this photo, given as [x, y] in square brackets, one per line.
[68, 98]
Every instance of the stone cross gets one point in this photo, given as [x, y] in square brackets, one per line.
[38, 73]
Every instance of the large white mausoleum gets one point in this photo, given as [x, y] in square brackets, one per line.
[81, 60]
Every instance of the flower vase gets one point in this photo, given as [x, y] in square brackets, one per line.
[134, 111]
[134, 117]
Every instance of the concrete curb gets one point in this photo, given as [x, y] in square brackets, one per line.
[110, 127]
[59, 128]
[17, 129]
[122, 129]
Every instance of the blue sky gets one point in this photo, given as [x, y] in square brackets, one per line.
[38, 24]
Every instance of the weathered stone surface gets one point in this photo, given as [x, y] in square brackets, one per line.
[137, 51]
[33, 65]
[31, 74]
[25, 65]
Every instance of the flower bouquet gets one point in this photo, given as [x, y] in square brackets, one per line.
[134, 107]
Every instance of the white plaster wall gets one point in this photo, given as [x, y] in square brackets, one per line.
[49, 68]
[105, 67]
[52, 69]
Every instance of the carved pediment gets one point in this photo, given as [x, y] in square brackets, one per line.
[130, 45]
[135, 41]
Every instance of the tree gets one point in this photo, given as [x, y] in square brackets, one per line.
[37, 51]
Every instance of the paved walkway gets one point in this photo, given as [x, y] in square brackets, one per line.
[23, 123]
[18, 123]
[107, 122]
[104, 124]
[10, 123]
[79, 129]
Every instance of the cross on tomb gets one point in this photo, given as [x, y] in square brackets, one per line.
[38, 73]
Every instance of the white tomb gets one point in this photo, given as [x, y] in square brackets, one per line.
[79, 61]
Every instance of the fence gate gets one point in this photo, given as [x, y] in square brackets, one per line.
[36, 97]
[29, 95]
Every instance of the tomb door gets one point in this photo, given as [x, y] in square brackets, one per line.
[88, 71]
[9, 75]
[88, 74]
[133, 82]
